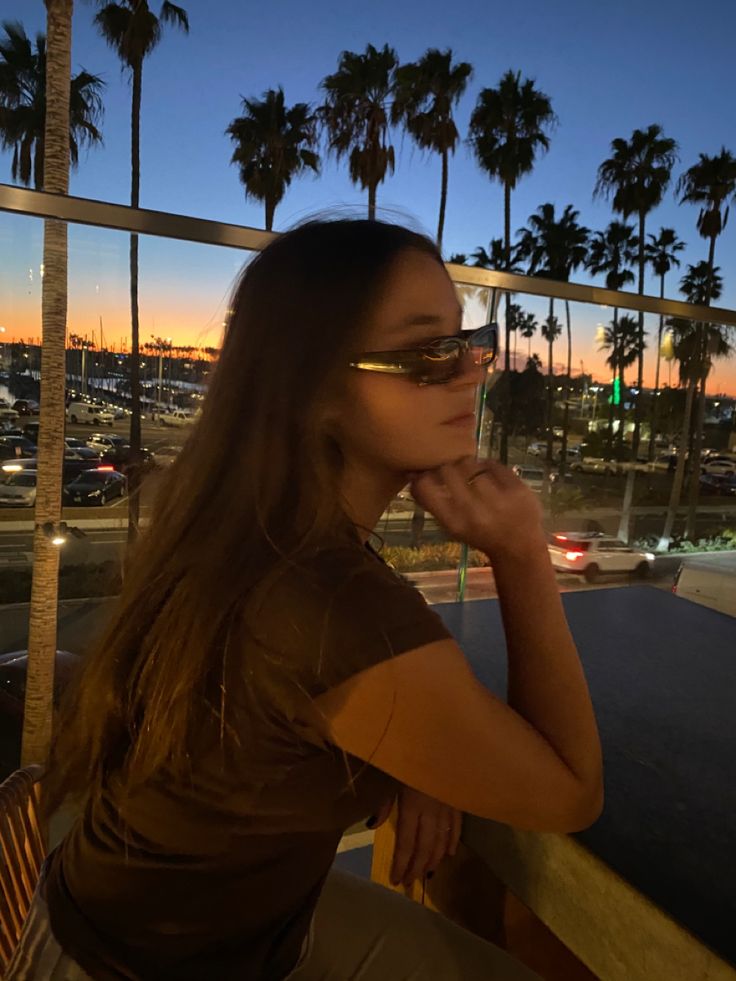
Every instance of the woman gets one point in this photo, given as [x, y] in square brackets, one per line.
[267, 681]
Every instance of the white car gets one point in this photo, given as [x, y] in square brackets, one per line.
[594, 464]
[177, 417]
[7, 413]
[591, 553]
[18, 489]
[537, 449]
[83, 413]
[533, 477]
[102, 442]
[719, 465]
[165, 455]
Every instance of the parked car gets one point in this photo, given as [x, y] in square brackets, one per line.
[26, 407]
[719, 465]
[13, 670]
[594, 464]
[165, 455]
[74, 464]
[709, 580]
[94, 487]
[7, 414]
[572, 455]
[80, 447]
[30, 431]
[84, 413]
[16, 447]
[533, 477]
[718, 483]
[119, 458]
[18, 489]
[177, 417]
[537, 449]
[103, 442]
[591, 553]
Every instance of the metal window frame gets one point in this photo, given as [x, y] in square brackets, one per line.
[102, 214]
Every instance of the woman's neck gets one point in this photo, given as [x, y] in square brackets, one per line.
[366, 493]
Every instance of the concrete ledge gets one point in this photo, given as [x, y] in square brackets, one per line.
[614, 929]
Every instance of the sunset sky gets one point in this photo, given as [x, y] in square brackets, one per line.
[607, 68]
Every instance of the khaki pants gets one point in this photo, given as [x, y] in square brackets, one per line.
[364, 932]
[360, 932]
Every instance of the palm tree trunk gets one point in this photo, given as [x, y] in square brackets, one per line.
[443, 200]
[371, 202]
[38, 714]
[655, 399]
[676, 491]
[611, 405]
[506, 404]
[38, 160]
[270, 212]
[566, 409]
[134, 470]
[640, 374]
[694, 490]
[550, 383]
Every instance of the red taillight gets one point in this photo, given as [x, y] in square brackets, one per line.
[106, 468]
[574, 555]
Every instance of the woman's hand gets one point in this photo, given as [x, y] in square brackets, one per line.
[426, 831]
[496, 513]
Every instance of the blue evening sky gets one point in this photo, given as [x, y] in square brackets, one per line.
[608, 68]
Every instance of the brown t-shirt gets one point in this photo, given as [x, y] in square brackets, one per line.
[217, 877]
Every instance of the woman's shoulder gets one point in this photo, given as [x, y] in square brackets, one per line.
[341, 609]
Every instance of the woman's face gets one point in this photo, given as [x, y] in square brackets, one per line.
[389, 421]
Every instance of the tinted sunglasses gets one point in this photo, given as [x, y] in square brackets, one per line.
[437, 362]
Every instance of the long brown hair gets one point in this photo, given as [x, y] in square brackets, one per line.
[255, 486]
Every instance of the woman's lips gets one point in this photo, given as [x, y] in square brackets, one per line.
[464, 420]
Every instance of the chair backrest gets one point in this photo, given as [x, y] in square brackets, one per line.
[22, 852]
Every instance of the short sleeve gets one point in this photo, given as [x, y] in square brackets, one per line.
[340, 613]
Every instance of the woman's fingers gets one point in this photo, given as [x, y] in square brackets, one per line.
[426, 838]
[444, 829]
[406, 834]
[457, 830]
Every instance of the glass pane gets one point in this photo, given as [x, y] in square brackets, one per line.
[183, 295]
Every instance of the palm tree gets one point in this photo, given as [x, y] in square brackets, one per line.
[611, 253]
[425, 93]
[694, 346]
[273, 145]
[458, 257]
[527, 328]
[496, 258]
[554, 249]
[622, 339]
[356, 115]
[635, 176]
[132, 30]
[711, 184]
[37, 720]
[661, 254]
[509, 128]
[23, 105]
[551, 330]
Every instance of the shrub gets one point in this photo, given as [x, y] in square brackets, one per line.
[426, 558]
[75, 582]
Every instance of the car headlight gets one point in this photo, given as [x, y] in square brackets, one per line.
[95, 493]
[649, 556]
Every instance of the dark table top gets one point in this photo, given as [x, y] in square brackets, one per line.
[662, 676]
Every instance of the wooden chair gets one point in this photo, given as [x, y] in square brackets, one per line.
[22, 852]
